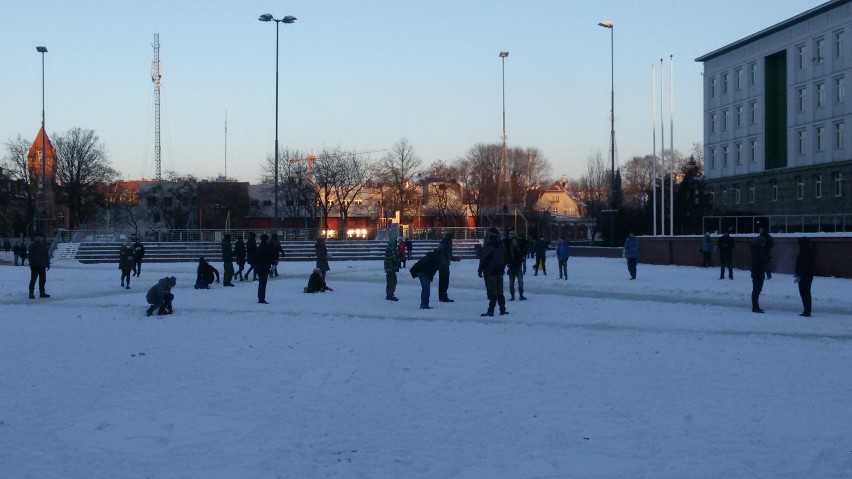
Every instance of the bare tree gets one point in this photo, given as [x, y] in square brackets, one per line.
[530, 171]
[82, 167]
[15, 166]
[638, 180]
[443, 192]
[353, 174]
[397, 172]
[594, 185]
[297, 195]
[121, 204]
[478, 171]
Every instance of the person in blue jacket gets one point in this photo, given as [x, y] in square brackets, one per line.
[563, 252]
[631, 252]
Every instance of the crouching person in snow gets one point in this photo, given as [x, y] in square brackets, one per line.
[160, 296]
[316, 284]
[206, 272]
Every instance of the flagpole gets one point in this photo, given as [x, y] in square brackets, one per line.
[654, 149]
[662, 156]
[671, 143]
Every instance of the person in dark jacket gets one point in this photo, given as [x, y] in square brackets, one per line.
[227, 261]
[631, 252]
[392, 260]
[138, 254]
[563, 252]
[541, 247]
[401, 252]
[126, 262]
[805, 274]
[445, 250]
[39, 265]
[768, 248]
[757, 249]
[409, 247]
[424, 270]
[277, 252]
[24, 249]
[16, 250]
[251, 255]
[492, 265]
[726, 254]
[706, 249]
[7, 245]
[160, 296]
[316, 284]
[240, 257]
[322, 256]
[205, 273]
[262, 263]
[515, 257]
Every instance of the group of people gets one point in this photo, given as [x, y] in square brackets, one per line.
[760, 249]
[130, 260]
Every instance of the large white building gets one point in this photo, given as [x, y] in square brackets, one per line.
[778, 117]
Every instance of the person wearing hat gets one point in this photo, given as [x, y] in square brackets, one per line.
[39, 265]
[445, 252]
[316, 284]
[726, 254]
[227, 261]
[424, 270]
[204, 274]
[768, 248]
[541, 247]
[631, 252]
[160, 296]
[758, 270]
[138, 254]
[126, 262]
[262, 263]
[492, 265]
[392, 260]
[515, 257]
[706, 250]
[805, 274]
[321, 251]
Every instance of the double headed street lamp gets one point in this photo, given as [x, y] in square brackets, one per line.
[43, 186]
[503, 185]
[267, 17]
[609, 25]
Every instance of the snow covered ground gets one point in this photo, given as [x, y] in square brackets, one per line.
[668, 376]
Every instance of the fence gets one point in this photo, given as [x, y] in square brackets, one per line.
[780, 223]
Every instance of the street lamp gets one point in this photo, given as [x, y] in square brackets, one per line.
[267, 17]
[43, 50]
[609, 25]
[503, 184]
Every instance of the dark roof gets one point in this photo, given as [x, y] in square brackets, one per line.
[774, 28]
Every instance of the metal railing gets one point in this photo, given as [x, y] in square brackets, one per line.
[836, 223]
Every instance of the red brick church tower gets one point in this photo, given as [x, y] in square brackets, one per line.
[41, 161]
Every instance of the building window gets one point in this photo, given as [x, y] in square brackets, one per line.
[800, 187]
[736, 193]
[724, 83]
[738, 75]
[820, 95]
[752, 115]
[712, 157]
[819, 133]
[839, 90]
[753, 151]
[774, 185]
[817, 186]
[801, 142]
[711, 87]
[839, 134]
[751, 192]
[801, 93]
[724, 195]
[752, 74]
[712, 123]
[724, 120]
[819, 47]
[838, 184]
[739, 116]
[838, 44]
[725, 155]
[800, 57]
[739, 153]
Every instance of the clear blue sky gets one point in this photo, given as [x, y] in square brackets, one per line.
[362, 75]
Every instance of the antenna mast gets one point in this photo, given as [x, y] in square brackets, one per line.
[156, 75]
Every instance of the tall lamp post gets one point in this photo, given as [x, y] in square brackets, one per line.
[502, 186]
[609, 25]
[43, 185]
[267, 17]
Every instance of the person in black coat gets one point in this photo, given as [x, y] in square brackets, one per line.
[16, 250]
[205, 274]
[138, 254]
[126, 262]
[251, 254]
[322, 256]
[726, 254]
[316, 284]
[424, 270]
[240, 257]
[39, 265]
[227, 261]
[758, 270]
[492, 266]
[277, 251]
[445, 249]
[541, 247]
[515, 257]
[805, 274]
[768, 248]
[263, 257]
[160, 296]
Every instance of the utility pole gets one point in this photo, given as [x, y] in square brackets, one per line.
[156, 76]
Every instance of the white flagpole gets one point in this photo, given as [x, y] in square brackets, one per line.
[671, 142]
[654, 149]
[662, 156]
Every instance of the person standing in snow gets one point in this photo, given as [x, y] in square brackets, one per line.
[768, 248]
[39, 266]
[515, 257]
[805, 274]
[400, 250]
[126, 262]
[631, 252]
[262, 264]
[392, 259]
[424, 270]
[160, 296]
[251, 253]
[726, 254]
[492, 265]
[445, 250]
[240, 257]
[227, 260]
[758, 270]
[16, 250]
[138, 254]
[541, 247]
[409, 247]
[563, 252]
[277, 252]
[706, 249]
[322, 256]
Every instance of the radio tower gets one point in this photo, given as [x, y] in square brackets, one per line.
[156, 75]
